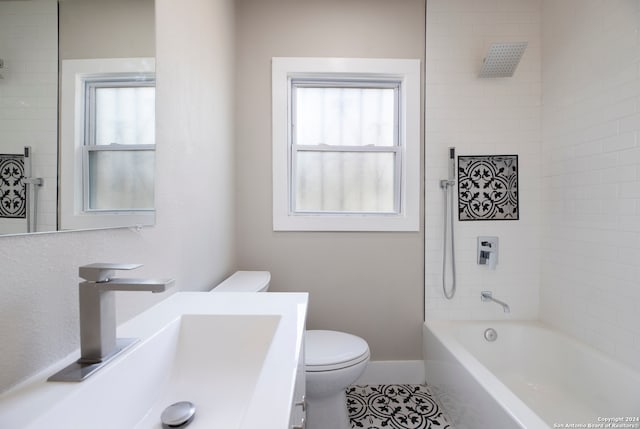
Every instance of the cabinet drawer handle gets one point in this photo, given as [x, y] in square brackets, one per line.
[302, 425]
[302, 403]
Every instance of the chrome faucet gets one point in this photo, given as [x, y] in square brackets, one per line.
[98, 342]
[487, 296]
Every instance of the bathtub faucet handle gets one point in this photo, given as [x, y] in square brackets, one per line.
[488, 251]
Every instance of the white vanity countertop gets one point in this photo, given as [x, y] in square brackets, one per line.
[37, 403]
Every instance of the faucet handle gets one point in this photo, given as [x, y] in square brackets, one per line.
[102, 271]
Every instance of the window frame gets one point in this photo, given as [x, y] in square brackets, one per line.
[74, 73]
[90, 83]
[405, 73]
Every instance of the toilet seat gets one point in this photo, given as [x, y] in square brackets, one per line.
[332, 350]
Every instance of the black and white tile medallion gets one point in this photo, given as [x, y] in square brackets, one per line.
[488, 187]
[12, 190]
[394, 406]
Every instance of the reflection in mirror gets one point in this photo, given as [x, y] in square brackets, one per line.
[28, 115]
[120, 152]
[30, 47]
[107, 142]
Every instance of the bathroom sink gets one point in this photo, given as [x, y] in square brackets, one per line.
[230, 358]
[196, 358]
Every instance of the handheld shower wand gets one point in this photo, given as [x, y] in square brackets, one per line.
[448, 186]
[451, 180]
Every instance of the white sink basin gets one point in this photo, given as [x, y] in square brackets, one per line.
[205, 359]
[234, 357]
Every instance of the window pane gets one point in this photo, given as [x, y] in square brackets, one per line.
[345, 181]
[345, 116]
[125, 115]
[121, 179]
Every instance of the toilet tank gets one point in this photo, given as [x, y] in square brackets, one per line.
[245, 281]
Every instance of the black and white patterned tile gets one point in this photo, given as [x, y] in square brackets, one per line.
[488, 187]
[12, 190]
[394, 406]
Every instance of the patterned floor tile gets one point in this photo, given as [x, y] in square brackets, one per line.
[394, 406]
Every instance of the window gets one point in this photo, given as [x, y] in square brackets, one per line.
[346, 144]
[107, 143]
[119, 143]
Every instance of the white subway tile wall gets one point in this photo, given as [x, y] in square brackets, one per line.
[29, 97]
[590, 285]
[572, 114]
[483, 117]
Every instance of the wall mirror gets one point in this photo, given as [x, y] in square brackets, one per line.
[77, 114]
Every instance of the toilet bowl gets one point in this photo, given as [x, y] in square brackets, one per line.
[333, 360]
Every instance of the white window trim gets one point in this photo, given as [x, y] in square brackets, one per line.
[72, 111]
[405, 70]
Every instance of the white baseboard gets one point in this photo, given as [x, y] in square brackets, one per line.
[393, 372]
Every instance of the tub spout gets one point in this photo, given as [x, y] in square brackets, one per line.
[487, 296]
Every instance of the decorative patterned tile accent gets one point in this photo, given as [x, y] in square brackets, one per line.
[488, 187]
[394, 406]
[12, 190]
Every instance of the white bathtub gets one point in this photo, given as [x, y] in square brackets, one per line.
[531, 377]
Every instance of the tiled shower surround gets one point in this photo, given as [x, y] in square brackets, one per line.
[590, 284]
[572, 115]
[483, 117]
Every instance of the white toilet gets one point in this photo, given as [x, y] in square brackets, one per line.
[333, 360]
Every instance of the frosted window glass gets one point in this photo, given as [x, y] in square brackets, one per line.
[345, 181]
[121, 179]
[345, 116]
[125, 115]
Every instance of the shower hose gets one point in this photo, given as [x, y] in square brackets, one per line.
[448, 218]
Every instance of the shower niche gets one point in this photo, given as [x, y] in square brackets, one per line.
[488, 187]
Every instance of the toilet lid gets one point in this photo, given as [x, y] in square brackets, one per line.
[329, 350]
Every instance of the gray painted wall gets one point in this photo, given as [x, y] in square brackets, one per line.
[369, 284]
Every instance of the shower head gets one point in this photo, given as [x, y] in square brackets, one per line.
[502, 59]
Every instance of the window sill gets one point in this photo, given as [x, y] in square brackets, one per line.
[344, 222]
